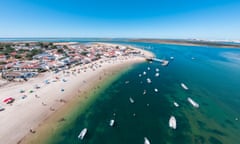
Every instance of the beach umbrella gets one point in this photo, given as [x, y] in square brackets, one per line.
[22, 91]
[8, 100]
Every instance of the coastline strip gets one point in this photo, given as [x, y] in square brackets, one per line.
[55, 98]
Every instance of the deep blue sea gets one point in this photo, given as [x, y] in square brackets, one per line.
[213, 78]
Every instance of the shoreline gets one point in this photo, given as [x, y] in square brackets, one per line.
[54, 124]
[45, 103]
[188, 43]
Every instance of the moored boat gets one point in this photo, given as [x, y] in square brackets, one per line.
[144, 92]
[82, 134]
[184, 86]
[165, 63]
[146, 141]
[149, 80]
[131, 100]
[176, 104]
[111, 123]
[193, 103]
[172, 122]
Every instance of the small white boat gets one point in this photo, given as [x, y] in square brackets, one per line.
[82, 133]
[193, 103]
[172, 122]
[148, 68]
[111, 123]
[140, 75]
[157, 70]
[165, 63]
[156, 90]
[146, 141]
[144, 73]
[157, 75]
[126, 82]
[184, 86]
[171, 57]
[176, 104]
[131, 100]
[144, 92]
[149, 80]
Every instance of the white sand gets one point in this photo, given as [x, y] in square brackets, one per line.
[25, 114]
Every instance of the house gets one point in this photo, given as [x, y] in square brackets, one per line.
[3, 58]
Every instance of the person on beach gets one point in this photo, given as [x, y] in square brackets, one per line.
[52, 109]
[44, 104]
[32, 131]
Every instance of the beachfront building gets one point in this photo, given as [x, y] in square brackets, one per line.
[55, 57]
[3, 58]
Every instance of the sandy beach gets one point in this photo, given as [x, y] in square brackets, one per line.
[22, 119]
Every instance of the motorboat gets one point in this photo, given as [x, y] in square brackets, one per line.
[146, 141]
[172, 122]
[184, 86]
[176, 104]
[144, 92]
[193, 103]
[82, 134]
[144, 73]
[111, 123]
[149, 80]
[165, 63]
[131, 100]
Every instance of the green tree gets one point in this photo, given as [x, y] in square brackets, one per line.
[60, 51]
[18, 56]
[33, 53]
[84, 53]
[36, 51]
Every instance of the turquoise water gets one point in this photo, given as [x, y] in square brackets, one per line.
[213, 79]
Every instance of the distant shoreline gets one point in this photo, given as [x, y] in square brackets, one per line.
[186, 42]
[189, 42]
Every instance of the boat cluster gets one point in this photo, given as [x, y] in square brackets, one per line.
[172, 120]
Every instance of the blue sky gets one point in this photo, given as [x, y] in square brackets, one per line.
[203, 19]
